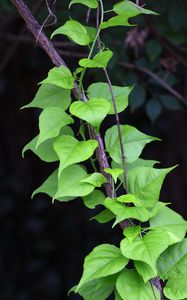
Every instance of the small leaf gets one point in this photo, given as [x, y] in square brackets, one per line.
[130, 286]
[95, 179]
[153, 109]
[137, 97]
[75, 31]
[49, 95]
[60, 77]
[116, 21]
[70, 183]
[71, 151]
[114, 173]
[104, 260]
[94, 199]
[92, 31]
[130, 9]
[104, 216]
[100, 60]
[170, 222]
[132, 232]
[93, 111]
[145, 183]
[89, 3]
[146, 249]
[170, 102]
[121, 94]
[133, 141]
[153, 50]
[173, 261]
[51, 121]
[176, 288]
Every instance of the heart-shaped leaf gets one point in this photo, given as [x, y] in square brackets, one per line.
[93, 111]
[61, 77]
[96, 179]
[114, 173]
[94, 199]
[100, 60]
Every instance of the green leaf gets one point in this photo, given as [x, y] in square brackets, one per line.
[176, 288]
[104, 260]
[117, 296]
[70, 183]
[146, 249]
[94, 199]
[121, 94]
[88, 3]
[96, 179]
[173, 261]
[153, 50]
[104, 216]
[130, 286]
[49, 95]
[153, 109]
[50, 187]
[132, 232]
[130, 9]
[141, 163]
[92, 31]
[137, 97]
[51, 121]
[133, 141]
[71, 151]
[170, 102]
[170, 222]
[100, 60]
[93, 111]
[116, 21]
[60, 77]
[74, 31]
[114, 173]
[99, 289]
[145, 270]
[145, 183]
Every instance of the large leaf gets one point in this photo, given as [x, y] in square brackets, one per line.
[71, 151]
[99, 289]
[49, 95]
[94, 199]
[130, 9]
[170, 222]
[145, 183]
[176, 288]
[130, 286]
[60, 77]
[173, 261]
[104, 260]
[50, 187]
[133, 141]
[146, 249]
[75, 31]
[100, 60]
[70, 183]
[89, 3]
[51, 121]
[121, 94]
[93, 111]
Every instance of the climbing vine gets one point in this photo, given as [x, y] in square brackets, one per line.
[151, 260]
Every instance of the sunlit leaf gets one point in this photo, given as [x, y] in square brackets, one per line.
[89, 3]
[60, 77]
[100, 60]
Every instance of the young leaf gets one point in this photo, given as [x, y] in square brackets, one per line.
[94, 199]
[60, 77]
[93, 111]
[50, 187]
[99, 289]
[116, 21]
[89, 3]
[100, 60]
[51, 121]
[176, 288]
[132, 232]
[173, 261]
[133, 141]
[114, 173]
[70, 183]
[96, 179]
[49, 95]
[145, 183]
[146, 249]
[104, 260]
[130, 286]
[170, 222]
[74, 31]
[104, 216]
[121, 94]
[71, 151]
[130, 9]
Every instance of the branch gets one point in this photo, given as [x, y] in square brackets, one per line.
[57, 60]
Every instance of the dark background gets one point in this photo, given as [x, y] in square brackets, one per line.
[43, 245]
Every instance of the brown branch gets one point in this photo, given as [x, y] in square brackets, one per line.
[156, 78]
[57, 60]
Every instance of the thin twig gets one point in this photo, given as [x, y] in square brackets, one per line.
[156, 78]
[153, 290]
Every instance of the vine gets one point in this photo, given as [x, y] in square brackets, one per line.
[151, 260]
